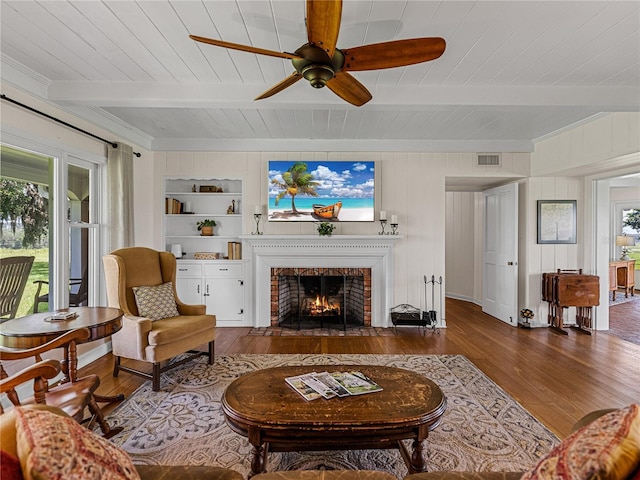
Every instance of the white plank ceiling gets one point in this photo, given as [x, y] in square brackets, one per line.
[513, 71]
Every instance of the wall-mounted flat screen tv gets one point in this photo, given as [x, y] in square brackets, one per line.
[325, 191]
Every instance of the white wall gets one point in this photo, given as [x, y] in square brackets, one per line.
[591, 147]
[603, 148]
[410, 185]
[460, 250]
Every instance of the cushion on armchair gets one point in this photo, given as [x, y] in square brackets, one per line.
[156, 302]
[608, 448]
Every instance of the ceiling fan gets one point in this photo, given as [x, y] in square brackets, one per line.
[321, 63]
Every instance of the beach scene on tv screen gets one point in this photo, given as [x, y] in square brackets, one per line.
[325, 191]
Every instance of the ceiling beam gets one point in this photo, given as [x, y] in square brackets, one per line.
[150, 94]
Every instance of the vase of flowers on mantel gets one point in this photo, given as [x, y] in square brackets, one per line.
[205, 227]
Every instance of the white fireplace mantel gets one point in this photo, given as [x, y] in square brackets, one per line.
[337, 251]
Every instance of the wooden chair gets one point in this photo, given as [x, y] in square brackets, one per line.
[14, 272]
[71, 397]
[76, 299]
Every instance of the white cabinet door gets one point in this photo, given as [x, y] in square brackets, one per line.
[189, 290]
[224, 298]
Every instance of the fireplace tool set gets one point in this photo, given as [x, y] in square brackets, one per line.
[409, 315]
[431, 316]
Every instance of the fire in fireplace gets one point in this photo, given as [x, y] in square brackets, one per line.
[321, 297]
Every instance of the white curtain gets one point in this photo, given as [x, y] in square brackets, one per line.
[120, 196]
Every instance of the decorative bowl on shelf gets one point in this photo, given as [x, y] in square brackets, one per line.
[206, 255]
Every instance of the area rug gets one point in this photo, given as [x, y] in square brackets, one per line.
[621, 298]
[483, 428]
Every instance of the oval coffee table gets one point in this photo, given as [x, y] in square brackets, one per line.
[262, 407]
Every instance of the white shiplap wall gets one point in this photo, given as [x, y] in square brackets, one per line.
[606, 147]
[411, 185]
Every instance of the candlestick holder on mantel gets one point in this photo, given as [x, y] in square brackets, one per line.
[383, 224]
[394, 229]
[257, 217]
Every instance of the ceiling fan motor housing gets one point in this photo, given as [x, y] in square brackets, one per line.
[316, 66]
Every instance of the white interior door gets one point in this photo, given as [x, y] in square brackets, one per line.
[500, 256]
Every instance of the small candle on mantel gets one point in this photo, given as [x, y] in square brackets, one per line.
[394, 219]
[258, 210]
[383, 215]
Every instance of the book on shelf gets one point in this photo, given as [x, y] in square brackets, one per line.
[234, 250]
[173, 206]
[314, 385]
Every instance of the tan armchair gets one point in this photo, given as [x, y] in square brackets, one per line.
[153, 341]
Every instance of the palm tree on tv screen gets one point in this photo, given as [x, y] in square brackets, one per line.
[296, 180]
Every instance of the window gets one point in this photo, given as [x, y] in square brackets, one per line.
[50, 211]
[631, 227]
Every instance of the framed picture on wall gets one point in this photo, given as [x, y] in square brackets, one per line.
[557, 221]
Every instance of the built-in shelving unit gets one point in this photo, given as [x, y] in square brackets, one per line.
[225, 207]
[218, 284]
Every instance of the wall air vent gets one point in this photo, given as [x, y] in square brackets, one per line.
[488, 159]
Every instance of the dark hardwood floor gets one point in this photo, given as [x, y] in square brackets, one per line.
[557, 378]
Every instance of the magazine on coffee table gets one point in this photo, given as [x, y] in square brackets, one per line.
[356, 383]
[299, 384]
[328, 385]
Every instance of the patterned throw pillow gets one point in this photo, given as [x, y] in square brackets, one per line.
[156, 302]
[608, 448]
[53, 447]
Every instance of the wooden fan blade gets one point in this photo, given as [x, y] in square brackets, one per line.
[278, 87]
[244, 48]
[397, 53]
[347, 87]
[323, 23]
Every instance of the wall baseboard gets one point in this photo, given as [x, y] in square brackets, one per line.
[464, 298]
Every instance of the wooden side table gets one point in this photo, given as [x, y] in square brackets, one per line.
[622, 275]
[34, 330]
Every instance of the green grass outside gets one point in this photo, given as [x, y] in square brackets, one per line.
[634, 254]
[39, 271]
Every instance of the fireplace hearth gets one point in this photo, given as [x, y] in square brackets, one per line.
[321, 297]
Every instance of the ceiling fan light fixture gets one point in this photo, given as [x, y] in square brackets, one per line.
[318, 75]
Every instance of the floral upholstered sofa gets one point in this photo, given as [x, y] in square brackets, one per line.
[41, 442]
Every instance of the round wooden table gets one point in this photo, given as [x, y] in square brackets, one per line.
[262, 407]
[34, 330]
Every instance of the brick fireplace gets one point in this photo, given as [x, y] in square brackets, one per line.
[370, 253]
[320, 297]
